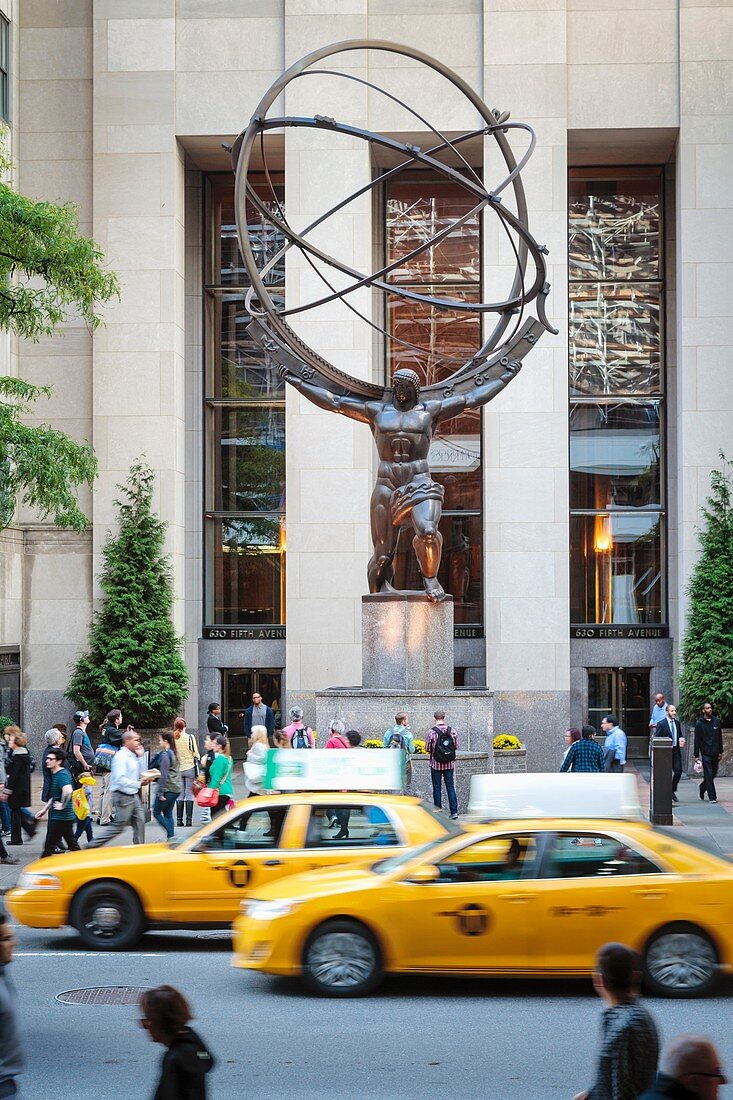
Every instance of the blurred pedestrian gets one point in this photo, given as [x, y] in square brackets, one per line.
[59, 807]
[299, 735]
[254, 768]
[111, 743]
[571, 736]
[688, 1069]
[12, 1060]
[166, 1015]
[281, 739]
[203, 777]
[4, 808]
[220, 774]
[709, 747]
[441, 745]
[53, 740]
[585, 755]
[614, 747]
[168, 786]
[214, 723]
[189, 758]
[125, 783]
[19, 786]
[629, 1052]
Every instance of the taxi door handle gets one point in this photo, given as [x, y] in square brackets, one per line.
[517, 897]
[273, 862]
[651, 895]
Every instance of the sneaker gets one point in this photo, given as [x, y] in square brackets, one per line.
[674, 797]
[713, 802]
[454, 817]
[9, 861]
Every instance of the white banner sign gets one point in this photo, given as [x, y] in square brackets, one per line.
[334, 770]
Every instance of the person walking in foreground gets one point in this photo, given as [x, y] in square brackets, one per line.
[109, 746]
[61, 816]
[11, 1052]
[441, 745]
[166, 1015]
[169, 784]
[19, 787]
[220, 773]
[189, 759]
[689, 1070]
[629, 1051]
[254, 768]
[709, 746]
[125, 785]
[585, 755]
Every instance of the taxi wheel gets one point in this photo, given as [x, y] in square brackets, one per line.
[680, 961]
[341, 959]
[107, 916]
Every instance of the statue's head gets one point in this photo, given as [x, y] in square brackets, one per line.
[405, 387]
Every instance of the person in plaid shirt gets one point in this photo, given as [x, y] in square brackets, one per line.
[442, 771]
[585, 755]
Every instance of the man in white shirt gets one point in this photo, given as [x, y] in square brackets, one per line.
[126, 781]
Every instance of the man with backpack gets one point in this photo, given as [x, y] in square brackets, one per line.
[399, 736]
[441, 745]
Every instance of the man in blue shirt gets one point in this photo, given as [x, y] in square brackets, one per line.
[659, 711]
[616, 742]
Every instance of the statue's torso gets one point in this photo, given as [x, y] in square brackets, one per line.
[403, 442]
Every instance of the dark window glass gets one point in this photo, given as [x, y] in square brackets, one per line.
[615, 227]
[446, 338]
[498, 859]
[614, 338]
[227, 267]
[250, 450]
[249, 570]
[596, 856]
[614, 456]
[417, 212]
[253, 829]
[367, 827]
[240, 368]
[616, 568]
[460, 567]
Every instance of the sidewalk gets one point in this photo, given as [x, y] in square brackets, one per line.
[31, 849]
[711, 824]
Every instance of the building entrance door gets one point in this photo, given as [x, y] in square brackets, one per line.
[239, 686]
[625, 693]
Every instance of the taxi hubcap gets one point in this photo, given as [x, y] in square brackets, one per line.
[105, 919]
[341, 959]
[681, 960]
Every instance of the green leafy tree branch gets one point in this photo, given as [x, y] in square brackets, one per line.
[47, 269]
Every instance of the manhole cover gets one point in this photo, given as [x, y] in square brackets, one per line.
[102, 995]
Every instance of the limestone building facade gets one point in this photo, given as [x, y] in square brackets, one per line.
[575, 495]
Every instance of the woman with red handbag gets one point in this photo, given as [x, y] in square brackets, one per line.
[220, 776]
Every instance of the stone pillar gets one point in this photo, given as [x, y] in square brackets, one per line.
[407, 642]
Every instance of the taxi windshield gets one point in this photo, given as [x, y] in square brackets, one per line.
[387, 866]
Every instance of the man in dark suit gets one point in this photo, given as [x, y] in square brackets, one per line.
[670, 727]
[258, 714]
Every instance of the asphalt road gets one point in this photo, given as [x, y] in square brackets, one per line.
[509, 1040]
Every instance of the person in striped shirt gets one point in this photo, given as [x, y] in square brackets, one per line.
[441, 770]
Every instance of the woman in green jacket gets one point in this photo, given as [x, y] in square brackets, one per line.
[220, 776]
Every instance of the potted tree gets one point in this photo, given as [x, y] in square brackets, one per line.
[134, 660]
[707, 649]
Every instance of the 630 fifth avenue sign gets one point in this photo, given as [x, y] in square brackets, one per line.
[610, 632]
[277, 633]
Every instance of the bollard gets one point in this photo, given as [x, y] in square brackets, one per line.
[660, 789]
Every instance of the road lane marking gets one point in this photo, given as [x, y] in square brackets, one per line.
[90, 954]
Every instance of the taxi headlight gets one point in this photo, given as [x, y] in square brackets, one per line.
[30, 880]
[268, 910]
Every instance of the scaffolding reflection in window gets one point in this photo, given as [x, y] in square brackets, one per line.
[614, 338]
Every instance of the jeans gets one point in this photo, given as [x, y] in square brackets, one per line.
[128, 810]
[5, 817]
[450, 787]
[709, 770]
[56, 831]
[163, 811]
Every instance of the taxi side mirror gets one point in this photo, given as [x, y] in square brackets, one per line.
[421, 876]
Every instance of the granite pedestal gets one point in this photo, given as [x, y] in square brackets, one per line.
[407, 665]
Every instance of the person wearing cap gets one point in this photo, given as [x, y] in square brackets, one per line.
[80, 752]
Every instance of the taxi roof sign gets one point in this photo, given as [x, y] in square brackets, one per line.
[554, 794]
[334, 770]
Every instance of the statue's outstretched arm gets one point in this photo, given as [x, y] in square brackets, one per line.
[480, 395]
[352, 407]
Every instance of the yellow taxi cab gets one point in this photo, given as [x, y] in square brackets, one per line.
[526, 895]
[112, 895]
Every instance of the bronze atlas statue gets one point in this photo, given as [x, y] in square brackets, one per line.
[403, 417]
